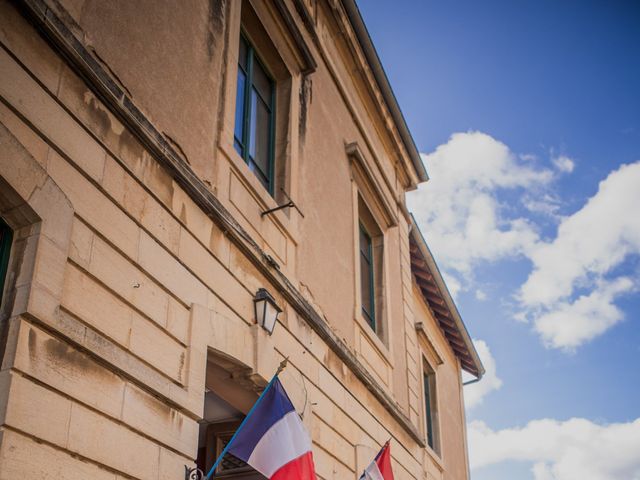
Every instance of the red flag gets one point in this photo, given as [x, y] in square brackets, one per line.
[380, 468]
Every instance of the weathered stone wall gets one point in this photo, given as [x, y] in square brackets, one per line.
[122, 283]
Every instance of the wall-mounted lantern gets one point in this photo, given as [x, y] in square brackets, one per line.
[266, 310]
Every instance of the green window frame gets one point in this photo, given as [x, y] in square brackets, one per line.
[427, 409]
[430, 406]
[367, 285]
[6, 237]
[254, 127]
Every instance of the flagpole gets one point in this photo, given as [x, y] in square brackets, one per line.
[283, 364]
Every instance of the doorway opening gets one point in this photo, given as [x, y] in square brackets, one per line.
[229, 395]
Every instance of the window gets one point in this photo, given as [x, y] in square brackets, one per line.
[255, 111]
[5, 248]
[367, 277]
[370, 253]
[430, 407]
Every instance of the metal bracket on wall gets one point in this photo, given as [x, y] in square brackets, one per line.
[289, 204]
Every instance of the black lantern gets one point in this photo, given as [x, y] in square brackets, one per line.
[266, 310]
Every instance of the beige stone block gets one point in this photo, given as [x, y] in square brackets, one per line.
[161, 224]
[373, 358]
[39, 302]
[177, 319]
[19, 37]
[414, 417]
[170, 273]
[231, 336]
[124, 188]
[172, 465]
[149, 171]
[156, 419]
[331, 388]
[328, 466]
[215, 275]
[51, 262]
[192, 216]
[220, 245]
[125, 278]
[38, 411]
[333, 443]
[5, 382]
[140, 204]
[81, 243]
[367, 418]
[56, 211]
[197, 359]
[330, 414]
[17, 165]
[22, 457]
[26, 96]
[56, 363]
[94, 207]
[244, 271]
[34, 144]
[290, 345]
[157, 348]
[29, 244]
[267, 360]
[106, 442]
[95, 305]
[275, 238]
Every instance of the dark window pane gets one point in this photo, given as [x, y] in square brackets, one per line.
[365, 285]
[428, 413]
[6, 236]
[239, 125]
[242, 54]
[263, 137]
[253, 125]
[261, 176]
[365, 243]
[261, 82]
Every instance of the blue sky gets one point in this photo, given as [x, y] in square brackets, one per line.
[526, 112]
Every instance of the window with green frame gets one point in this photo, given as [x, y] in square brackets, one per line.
[430, 406]
[6, 236]
[367, 285]
[255, 115]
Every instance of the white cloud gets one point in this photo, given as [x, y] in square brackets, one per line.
[589, 245]
[481, 295]
[592, 241]
[475, 209]
[569, 324]
[458, 209]
[545, 204]
[576, 448]
[453, 285]
[563, 163]
[474, 393]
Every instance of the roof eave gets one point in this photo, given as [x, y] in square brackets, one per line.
[353, 12]
[451, 306]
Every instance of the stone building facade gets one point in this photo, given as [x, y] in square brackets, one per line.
[141, 144]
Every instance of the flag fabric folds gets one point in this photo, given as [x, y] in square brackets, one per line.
[380, 468]
[274, 441]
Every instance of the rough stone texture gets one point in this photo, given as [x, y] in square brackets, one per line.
[124, 287]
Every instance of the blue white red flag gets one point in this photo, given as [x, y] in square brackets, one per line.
[380, 468]
[274, 441]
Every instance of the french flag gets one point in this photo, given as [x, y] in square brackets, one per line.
[380, 468]
[274, 441]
